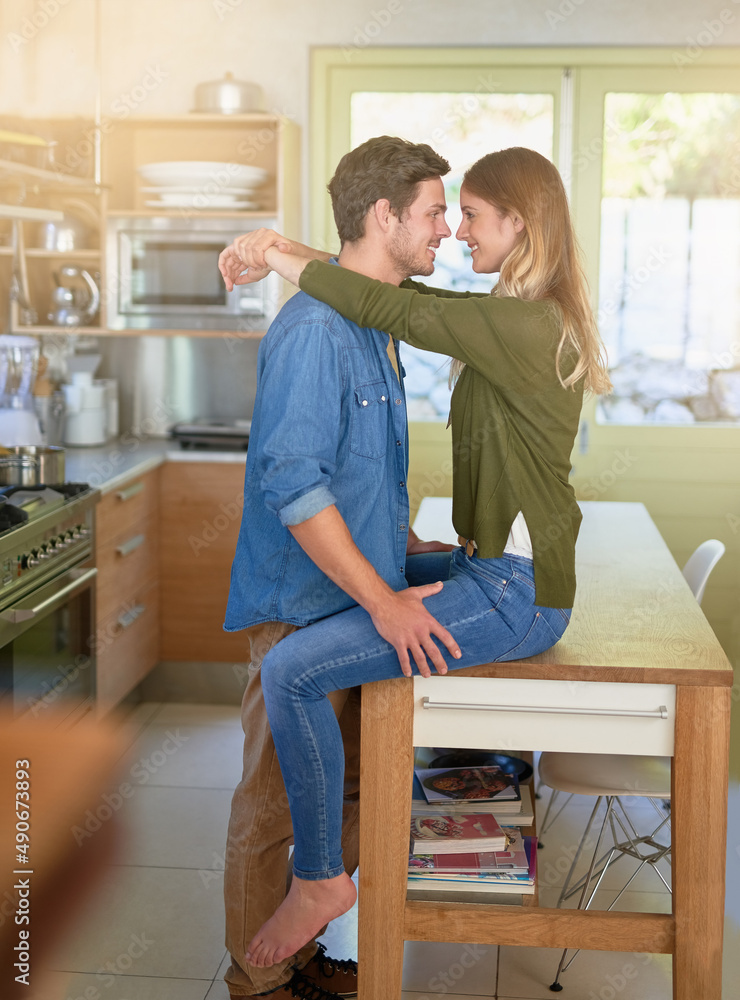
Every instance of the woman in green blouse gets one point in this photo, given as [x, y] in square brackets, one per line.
[523, 357]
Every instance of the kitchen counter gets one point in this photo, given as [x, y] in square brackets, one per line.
[110, 465]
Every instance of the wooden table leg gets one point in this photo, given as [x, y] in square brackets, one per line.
[699, 835]
[386, 763]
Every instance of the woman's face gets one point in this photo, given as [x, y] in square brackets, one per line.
[490, 235]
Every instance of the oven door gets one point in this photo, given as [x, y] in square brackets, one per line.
[46, 651]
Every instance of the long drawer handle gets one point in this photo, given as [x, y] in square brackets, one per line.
[659, 713]
[79, 580]
[127, 619]
[131, 491]
[126, 548]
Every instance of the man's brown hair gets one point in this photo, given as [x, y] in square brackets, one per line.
[383, 167]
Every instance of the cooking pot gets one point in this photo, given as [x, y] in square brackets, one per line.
[31, 465]
[228, 96]
[72, 233]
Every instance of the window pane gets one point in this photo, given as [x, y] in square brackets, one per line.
[462, 127]
[669, 284]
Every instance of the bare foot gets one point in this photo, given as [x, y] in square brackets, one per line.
[308, 906]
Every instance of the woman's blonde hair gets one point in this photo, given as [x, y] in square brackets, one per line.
[545, 264]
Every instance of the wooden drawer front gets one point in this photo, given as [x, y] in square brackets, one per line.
[123, 510]
[127, 564]
[509, 714]
[127, 647]
[202, 507]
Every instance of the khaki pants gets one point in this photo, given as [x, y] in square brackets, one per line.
[257, 872]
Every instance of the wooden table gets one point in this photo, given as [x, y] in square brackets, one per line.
[638, 644]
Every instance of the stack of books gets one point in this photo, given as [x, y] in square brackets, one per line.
[458, 842]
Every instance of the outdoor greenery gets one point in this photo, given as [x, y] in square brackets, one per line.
[659, 145]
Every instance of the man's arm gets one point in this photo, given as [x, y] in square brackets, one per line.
[399, 616]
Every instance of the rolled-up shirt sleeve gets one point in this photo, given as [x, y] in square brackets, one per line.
[302, 390]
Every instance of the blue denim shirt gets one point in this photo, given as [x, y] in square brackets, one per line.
[329, 427]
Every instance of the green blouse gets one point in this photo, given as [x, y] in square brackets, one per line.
[513, 423]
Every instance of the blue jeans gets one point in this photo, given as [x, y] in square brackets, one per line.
[487, 605]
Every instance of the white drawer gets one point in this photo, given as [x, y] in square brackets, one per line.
[572, 716]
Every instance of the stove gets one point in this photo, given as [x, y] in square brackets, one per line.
[43, 529]
[47, 598]
[215, 435]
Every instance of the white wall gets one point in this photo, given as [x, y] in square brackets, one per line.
[155, 51]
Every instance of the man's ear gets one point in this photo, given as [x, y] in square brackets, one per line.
[383, 214]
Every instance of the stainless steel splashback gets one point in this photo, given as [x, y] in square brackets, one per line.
[163, 380]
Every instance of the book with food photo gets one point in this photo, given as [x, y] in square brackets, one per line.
[485, 784]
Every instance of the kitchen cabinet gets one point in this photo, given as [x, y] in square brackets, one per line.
[201, 504]
[94, 176]
[59, 176]
[127, 555]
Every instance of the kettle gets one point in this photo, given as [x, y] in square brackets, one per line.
[74, 304]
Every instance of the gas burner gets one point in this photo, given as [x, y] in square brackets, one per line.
[213, 434]
[19, 504]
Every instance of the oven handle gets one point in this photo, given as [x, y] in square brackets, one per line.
[17, 615]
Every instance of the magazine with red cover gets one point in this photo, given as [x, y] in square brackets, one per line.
[459, 834]
[513, 860]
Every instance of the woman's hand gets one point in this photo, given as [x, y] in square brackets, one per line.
[247, 254]
[414, 545]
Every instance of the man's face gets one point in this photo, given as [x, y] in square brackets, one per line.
[413, 243]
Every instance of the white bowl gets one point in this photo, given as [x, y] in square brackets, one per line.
[210, 175]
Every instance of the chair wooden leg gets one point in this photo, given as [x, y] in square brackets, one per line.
[699, 803]
[386, 769]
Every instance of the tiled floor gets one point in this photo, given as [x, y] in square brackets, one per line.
[155, 929]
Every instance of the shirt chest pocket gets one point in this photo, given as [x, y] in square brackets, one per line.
[369, 434]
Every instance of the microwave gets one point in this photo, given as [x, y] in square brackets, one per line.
[164, 276]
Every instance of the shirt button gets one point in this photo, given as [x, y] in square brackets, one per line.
[402, 483]
[398, 402]
[402, 526]
[364, 402]
[382, 399]
[398, 442]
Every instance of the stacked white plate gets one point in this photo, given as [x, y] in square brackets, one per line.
[201, 184]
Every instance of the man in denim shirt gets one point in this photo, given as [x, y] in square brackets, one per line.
[325, 524]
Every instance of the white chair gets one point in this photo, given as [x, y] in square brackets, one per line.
[700, 564]
[696, 573]
[611, 778]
